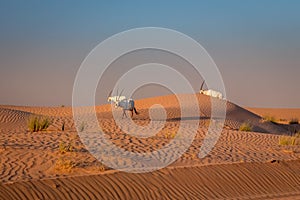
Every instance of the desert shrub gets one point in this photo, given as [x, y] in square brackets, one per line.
[33, 124]
[245, 127]
[64, 165]
[65, 147]
[288, 140]
[268, 118]
[44, 123]
[294, 121]
[170, 135]
[36, 124]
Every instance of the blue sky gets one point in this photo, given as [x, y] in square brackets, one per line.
[254, 43]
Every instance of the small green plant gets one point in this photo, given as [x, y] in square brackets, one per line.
[170, 135]
[82, 127]
[294, 121]
[245, 127]
[44, 123]
[36, 124]
[288, 140]
[64, 165]
[65, 147]
[268, 118]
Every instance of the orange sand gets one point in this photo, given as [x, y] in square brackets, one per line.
[238, 166]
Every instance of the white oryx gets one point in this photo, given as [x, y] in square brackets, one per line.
[123, 102]
[211, 93]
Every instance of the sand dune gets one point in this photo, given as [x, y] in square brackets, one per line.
[12, 119]
[238, 181]
[29, 160]
[280, 114]
[234, 117]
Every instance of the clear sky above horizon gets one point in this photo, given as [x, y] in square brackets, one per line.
[255, 44]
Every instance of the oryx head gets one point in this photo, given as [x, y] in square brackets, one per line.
[115, 99]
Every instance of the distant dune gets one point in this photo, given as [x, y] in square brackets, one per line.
[280, 114]
[241, 165]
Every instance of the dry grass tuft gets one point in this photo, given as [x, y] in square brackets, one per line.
[65, 147]
[170, 135]
[64, 165]
[294, 121]
[289, 140]
[268, 118]
[82, 127]
[36, 123]
[245, 127]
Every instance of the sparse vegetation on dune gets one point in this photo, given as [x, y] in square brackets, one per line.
[289, 140]
[282, 120]
[246, 126]
[64, 165]
[268, 118]
[82, 126]
[36, 123]
[65, 147]
[294, 121]
[170, 135]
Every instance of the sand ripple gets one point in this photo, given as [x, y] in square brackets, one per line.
[233, 181]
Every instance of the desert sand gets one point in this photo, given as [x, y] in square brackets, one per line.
[242, 165]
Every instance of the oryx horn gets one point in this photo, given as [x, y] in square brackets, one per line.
[202, 85]
[109, 95]
[120, 94]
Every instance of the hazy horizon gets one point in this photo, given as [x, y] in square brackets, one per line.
[255, 45]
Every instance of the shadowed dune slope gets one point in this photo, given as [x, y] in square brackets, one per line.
[235, 115]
